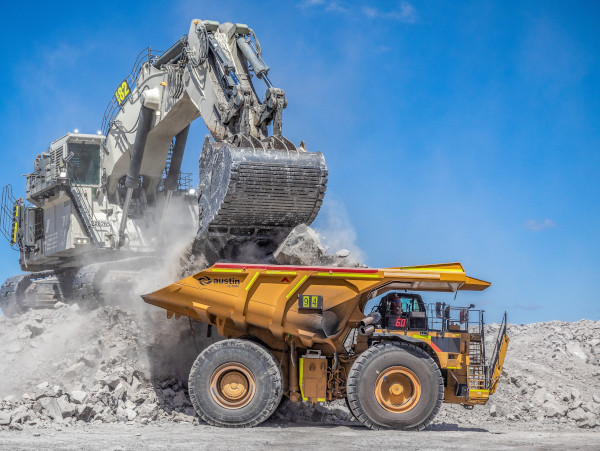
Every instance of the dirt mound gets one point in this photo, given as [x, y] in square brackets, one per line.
[551, 377]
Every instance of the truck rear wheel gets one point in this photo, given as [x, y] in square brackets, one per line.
[235, 383]
[395, 386]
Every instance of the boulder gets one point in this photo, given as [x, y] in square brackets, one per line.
[5, 418]
[10, 399]
[179, 417]
[588, 422]
[121, 414]
[67, 409]
[540, 397]
[51, 409]
[180, 400]
[554, 409]
[35, 328]
[135, 384]
[110, 380]
[301, 247]
[575, 350]
[131, 414]
[43, 390]
[79, 397]
[148, 410]
[85, 412]
[577, 414]
[342, 253]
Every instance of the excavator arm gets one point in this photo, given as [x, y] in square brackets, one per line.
[253, 186]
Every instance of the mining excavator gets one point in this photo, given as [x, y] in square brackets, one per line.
[303, 333]
[99, 208]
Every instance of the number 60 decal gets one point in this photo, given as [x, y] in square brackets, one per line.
[122, 92]
[400, 322]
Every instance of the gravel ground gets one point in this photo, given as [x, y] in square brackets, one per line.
[182, 436]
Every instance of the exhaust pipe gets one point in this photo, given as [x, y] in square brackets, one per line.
[368, 323]
[373, 318]
[366, 330]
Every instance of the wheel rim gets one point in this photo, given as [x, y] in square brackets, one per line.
[397, 389]
[232, 386]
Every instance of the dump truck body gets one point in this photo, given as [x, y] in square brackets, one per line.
[312, 321]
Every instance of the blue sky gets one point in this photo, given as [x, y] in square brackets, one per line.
[453, 131]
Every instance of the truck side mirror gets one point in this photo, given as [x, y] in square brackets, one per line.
[438, 310]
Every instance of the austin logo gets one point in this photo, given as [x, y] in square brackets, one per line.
[204, 280]
[230, 281]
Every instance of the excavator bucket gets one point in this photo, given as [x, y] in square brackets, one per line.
[253, 195]
[498, 356]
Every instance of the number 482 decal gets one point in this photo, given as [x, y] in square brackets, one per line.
[122, 92]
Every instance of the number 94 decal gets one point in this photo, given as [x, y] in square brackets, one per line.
[122, 92]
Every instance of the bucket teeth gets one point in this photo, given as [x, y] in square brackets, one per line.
[256, 195]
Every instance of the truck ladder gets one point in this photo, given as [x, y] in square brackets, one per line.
[476, 376]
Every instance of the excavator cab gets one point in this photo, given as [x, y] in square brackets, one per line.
[83, 163]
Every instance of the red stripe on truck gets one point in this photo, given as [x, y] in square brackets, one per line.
[295, 268]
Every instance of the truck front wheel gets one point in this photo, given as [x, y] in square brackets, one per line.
[395, 386]
[235, 383]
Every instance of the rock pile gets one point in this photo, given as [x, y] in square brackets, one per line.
[71, 366]
[303, 246]
[551, 377]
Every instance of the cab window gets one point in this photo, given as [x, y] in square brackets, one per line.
[410, 304]
[84, 167]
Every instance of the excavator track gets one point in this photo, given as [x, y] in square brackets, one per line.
[11, 294]
[33, 291]
[255, 195]
[99, 283]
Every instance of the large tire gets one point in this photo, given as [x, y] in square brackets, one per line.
[235, 383]
[395, 386]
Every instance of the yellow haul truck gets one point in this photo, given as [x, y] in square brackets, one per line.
[301, 332]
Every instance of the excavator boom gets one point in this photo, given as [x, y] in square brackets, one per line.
[252, 186]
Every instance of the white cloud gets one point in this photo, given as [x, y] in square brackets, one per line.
[309, 3]
[370, 12]
[404, 12]
[536, 226]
